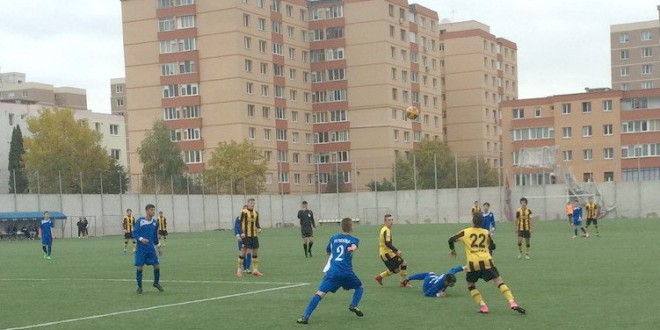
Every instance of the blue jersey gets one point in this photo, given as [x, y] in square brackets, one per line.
[47, 230]
[489, 221]
[577, 215]
[237, 226]
[148, 229]
[341, 260]
[435, 283]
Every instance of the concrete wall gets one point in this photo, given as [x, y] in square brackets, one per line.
[196, 213]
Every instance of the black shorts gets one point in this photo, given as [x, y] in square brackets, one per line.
[485, 274]
[592, 220]
[250, 242]
[306, 232]
[393, 263]
[162, 232]
[128, 235]
[524, 233]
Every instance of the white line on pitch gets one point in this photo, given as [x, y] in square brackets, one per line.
[133, 280]
[155, 307]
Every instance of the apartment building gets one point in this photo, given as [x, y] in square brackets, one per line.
[320, 87]
[15, 89]
[635, 55]
[118, 96]
[600, 135]
[479, 70]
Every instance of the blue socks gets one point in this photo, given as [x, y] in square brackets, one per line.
[247, 261]
[156, 275]
[50, 249]
[312, 305]
[357, 296]
[138, 278]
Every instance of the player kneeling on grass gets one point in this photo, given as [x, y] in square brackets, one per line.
[436, 284]
[477, 241]
[147, 252]
[339, 271]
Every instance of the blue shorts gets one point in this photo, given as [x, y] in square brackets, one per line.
[333, 282]
[146, 258]
[46, 240]
[577, 222]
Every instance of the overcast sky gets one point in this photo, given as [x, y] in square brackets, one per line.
[563, 45]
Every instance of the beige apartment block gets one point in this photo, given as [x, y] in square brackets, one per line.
[479, 71]
[15, 89]
[635, 55]
[320, 87]
[601, 135]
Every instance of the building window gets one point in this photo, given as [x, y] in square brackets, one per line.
[607, 105]
[249, 88]
[647, 52]
[120, 102]
[566, 108]
[115, 153]
[537, 111]
[566, 132]
[586, 107]
[281, 134]
[193, 156]
[624, 38]
[624, 71]
[518, 113]
[646, 35]
[246, 19]
[265, 112]
[608, 153]
[266, 134]
[586, 154]
[608, 176]
[247, 42]
[647, 84]
[624, 54]
[587, 131]
[607, 129]
[568, 155]
[268, 155]
[252, 133]
[250, 110]
[647, 68]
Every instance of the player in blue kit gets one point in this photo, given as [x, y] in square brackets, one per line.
[46, 228]
[488, 221]
[436, 284]
[145, 232]
[237, 231]
[339, 271]
[577, 220]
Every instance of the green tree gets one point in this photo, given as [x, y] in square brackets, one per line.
[236, 167]
[467, 174]
[162, 161]
[64, 154]
[384, 185]
[115, 179]
[18, 181]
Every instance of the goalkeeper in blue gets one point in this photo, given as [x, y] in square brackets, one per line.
[339, 271]
[436, 284]
[145, 232]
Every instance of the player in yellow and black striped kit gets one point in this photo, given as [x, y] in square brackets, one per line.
[592, 214]
[162, 227]
[390, 255]
[127, 224]
[249, 233]
[523, 227]
[477, 242]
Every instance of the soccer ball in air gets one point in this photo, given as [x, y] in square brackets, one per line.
[412, 112]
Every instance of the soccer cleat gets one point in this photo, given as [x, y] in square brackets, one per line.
[302, 320]
[139, 291]
[310, 254]
[306, 255]
[239, 274]
[248, 271]
[124, 251]
[516, 308]
[157, 286]
[379, 279]
[573, 236]
[483, 309]
[405, 284]
[257, 273]
[519, 255]
[49, 258]
[527, 256]
[45, 256]
[355, 310]
[586, 235]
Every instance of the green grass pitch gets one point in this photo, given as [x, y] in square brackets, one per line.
[605, 282]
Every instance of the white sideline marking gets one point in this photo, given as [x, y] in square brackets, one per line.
[133, 280]
[155, 307]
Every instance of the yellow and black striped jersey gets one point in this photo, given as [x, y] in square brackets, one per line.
[477, 241]
[523, 219]
[128, 223]
[385, 246]
[592, 210]
[475, 209]
[162, 223]
[249, 223]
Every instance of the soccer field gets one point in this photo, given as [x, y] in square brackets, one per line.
[605, 282]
